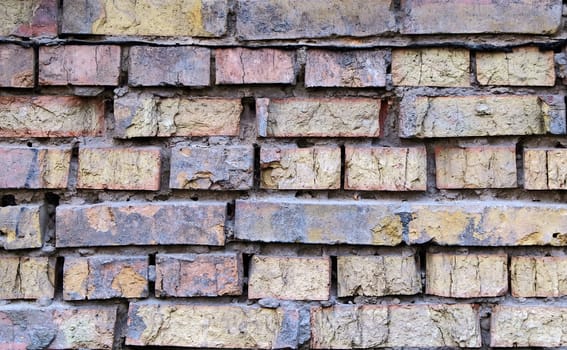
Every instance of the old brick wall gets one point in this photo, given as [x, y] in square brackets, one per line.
[283, 174]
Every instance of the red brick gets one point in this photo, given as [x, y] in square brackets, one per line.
[105, 277]
[189, 275]
[26, 277]
[175, 65]
[21, 226]
[124, 223]
[360, 68]
[50, 116]
[254, 66]
[29, 18]
[119, 169]
[18, 71]
[79, 65]
[34, 167]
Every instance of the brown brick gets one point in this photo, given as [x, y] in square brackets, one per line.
[385, 168]
[524, 66]
[145, 17]
[21, 227]
[519, 16]
[145, 115]
[360, 68]
[289, 278]
[212, 326]
[443, 67]
[459, 116]
[50, 116]
[335, 117]
[119, 169]
[545, 169]
[79, 65]
[29, 18]
[315, 221]
[288, 168]
[212, 168]
[34, 167]
[538, 276]
[57, 327]
[466, 275]
[378, 275]
[190, 275]
[476, 167]
[26, 278]
[105, 277]
[255, 66]
[19, 72]
[528, 326]
[370, 326]
[288, 19]
[124, 223]
[172, 65]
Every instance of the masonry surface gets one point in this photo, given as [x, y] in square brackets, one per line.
[278, 174]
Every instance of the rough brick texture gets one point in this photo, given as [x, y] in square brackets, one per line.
[262, 66]
[544, 169]
[21, 227]
[538, 276]
[26, 278]
[20, 72]
[29, 18]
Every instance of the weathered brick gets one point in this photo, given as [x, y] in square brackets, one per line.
[300, 117]
[21, 227]
[145, 17]
[171, 65]
[466, 275]
[19, 73]
[190, 275]
[124, 223]
[370, 326]
[476, 167]
[289, 278]
[443, 67]
[288, 19]
[360, 68]
[288, 168]
[485, 16]
[28, 18]
[459, 116]
[50, 116]
[105, 277]
[145, 115]
[311, 221]
[254, 66]
[538, 276]
[212, 168]
[26, 278]
[119, 169]
[378, 275]
[524, 66]
[208, 326]
[545, 169]
[528, 326]
[385, 168]
[57, 327]
[24, 167]
[79, 65]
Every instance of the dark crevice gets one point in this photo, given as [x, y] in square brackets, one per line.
[8, 200]
[58, 280]
[256, 175]
[334, 278]
[343, 166]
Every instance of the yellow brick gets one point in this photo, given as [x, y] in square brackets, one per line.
[538, 276]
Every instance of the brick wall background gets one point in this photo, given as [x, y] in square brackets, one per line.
[283, 174]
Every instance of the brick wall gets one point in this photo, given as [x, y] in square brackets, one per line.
[283, 174]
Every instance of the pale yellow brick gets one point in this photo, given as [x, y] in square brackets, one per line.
[26, 278]
[538, 276]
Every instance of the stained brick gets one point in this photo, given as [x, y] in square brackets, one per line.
[538, 276]
[19, 73]
[300, 168]
[105, 277]
[190, 275]
[335, 117]
[212, 326]
[254, 66]
[545, 169]
[29, 18]
[385, 168]
[21, 227]
[50, 116]
[292, 278]
[212, 167]
[79, 65]
[123, 223]
[26, 278]
[175, 65]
